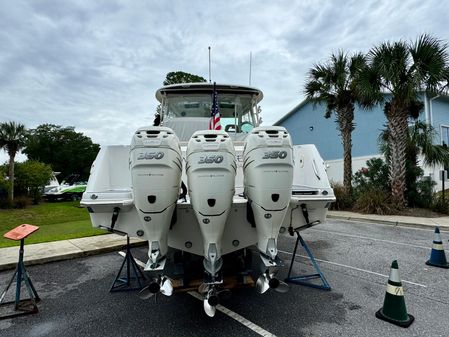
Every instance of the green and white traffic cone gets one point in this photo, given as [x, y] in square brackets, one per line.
[394, 310]
[437, 256]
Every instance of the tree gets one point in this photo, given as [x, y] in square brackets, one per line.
[4, 186]
[12, 139]
[403, 70]
[420, 142]
[420, 137]
[64, 149]
[176, 77]
[334, 84]
[32, 176]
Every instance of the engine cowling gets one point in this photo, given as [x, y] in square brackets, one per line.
[211, 169]
[268, 176]
[156, 167]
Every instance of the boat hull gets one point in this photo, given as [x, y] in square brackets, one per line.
[185, 233]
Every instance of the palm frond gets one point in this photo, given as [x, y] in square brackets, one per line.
[367, 86]
[357, 63]
[12, 136]
[421, 137]
[391, 61]
[339, 70]
[382, 141]
[430, 60]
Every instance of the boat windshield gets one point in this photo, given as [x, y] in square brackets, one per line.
[237, 111]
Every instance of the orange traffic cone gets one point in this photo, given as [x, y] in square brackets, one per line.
[437, 256]
[394, 310]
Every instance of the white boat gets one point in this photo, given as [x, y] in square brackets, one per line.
[246, 185]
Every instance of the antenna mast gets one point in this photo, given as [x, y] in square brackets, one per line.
[250, 59]
[209, 66]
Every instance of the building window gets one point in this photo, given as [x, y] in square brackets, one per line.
[445, 135]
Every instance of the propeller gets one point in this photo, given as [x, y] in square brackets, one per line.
[212, 297]
[210, 302]
[166, 287]
[161, 284]
[268, 280]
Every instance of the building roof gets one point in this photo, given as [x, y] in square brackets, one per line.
[445, 97]
[291, 112]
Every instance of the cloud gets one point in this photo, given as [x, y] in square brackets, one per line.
[95, 65]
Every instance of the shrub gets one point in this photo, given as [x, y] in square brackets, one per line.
[374, 201]
[439, 205]
[5, 203]
[31, 177]
[22, 202]
[420, 194]
[374, 176]
[344, 200]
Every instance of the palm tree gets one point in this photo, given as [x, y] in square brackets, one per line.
[12, 139]
[420, 142]
[334, 84]
[403, 70]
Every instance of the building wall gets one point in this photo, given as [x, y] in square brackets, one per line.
[334, 168]
[308, 126]
[439, 118]
[439, 111]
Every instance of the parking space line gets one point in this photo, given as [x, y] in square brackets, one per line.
[354, 268]
[250, 325]
[368, 238]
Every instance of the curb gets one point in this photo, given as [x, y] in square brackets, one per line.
[355, 218]
[388, 222]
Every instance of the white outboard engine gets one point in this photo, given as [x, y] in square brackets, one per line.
[211, 170]
[268, 177]
[156, 167]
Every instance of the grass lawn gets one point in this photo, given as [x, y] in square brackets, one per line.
[56, 221]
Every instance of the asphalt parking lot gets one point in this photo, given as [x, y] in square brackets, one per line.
[355, 258]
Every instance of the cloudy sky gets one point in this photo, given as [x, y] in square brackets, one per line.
[96, 65]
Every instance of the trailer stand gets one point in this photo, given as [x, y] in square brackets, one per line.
[134, 275]
[304, 279]
[24, 306]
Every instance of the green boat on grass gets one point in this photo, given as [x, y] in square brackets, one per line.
[69, 189]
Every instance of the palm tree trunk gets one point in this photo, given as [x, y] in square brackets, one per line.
[11, 177]
[397, 117]
[346, 126]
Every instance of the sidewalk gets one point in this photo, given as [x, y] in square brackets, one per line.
[67, 249]
[395, 220]
[39, 253]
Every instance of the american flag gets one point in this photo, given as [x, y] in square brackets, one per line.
[214, 122]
